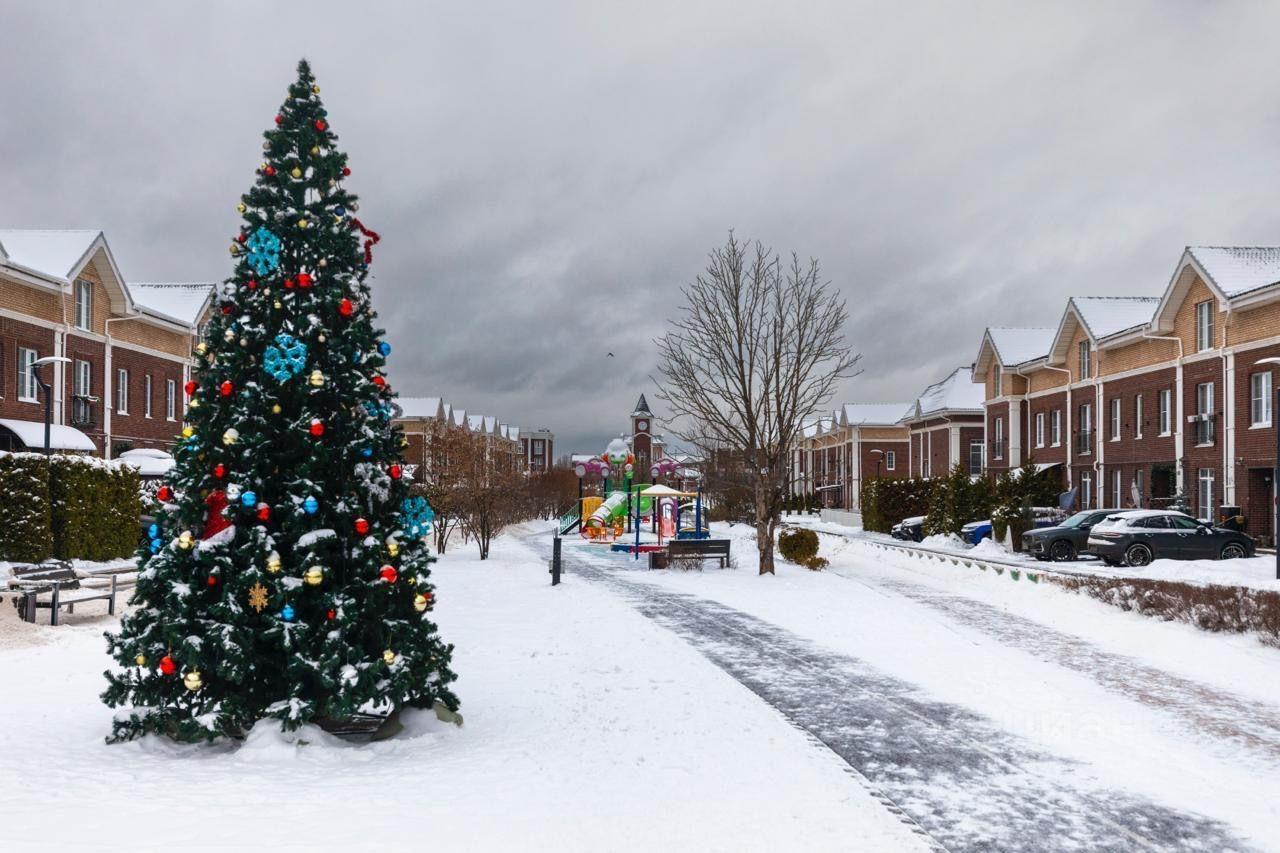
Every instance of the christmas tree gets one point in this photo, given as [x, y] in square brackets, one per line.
[287, 573]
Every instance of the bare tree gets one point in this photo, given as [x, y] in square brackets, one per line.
[757, 349]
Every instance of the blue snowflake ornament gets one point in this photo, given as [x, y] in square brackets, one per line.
[264, 251]
[285, 359]
[416, 516]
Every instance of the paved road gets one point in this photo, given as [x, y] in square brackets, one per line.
[955, 776]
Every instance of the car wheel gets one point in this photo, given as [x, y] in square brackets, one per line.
[1137, 556]
[1233, 551]
[1062, 551]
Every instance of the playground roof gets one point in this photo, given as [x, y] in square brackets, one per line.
[661, 491]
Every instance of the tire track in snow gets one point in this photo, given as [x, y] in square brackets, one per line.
[950, 773]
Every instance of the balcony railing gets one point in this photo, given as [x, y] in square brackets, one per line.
[1084, 442]
[81, 412]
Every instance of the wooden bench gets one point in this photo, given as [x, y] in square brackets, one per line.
[62, 584]
[717, 549]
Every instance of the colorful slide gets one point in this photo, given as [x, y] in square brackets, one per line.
[613, 508]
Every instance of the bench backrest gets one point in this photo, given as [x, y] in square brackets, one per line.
[61, 573]
[699, 546]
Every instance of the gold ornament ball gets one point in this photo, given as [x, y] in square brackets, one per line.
[231, 436]
[321, 338]
[277, 304]
[317, 378]
[314, 576]
[315, 150]
[275, 410]
[187, 432]
[419, 603]
[302, 223]
[323, 263]
[413, 581]
[235, 249]
[202, 347]
[393, 547]
[296, 172]
[273, 563]
[264, 165]
[140, 660]
[192, 680]
[241, 208]
[194, 404]
[185, 541]
[388, 657]
[315, 88]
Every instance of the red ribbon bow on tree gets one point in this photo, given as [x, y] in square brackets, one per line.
[371, 237]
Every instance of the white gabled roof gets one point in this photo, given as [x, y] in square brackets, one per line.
[419, 407]
[475, 423]
[1236, 270]
[1018, 346]
[957, 394]
[1104, 316]
[460, 417]
[873, 414]
[181, 302]
[52, 253]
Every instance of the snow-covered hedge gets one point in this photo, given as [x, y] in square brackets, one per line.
[71, 507]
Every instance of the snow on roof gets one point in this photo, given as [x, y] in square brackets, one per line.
[419, 407]
[1105, 316]
[875, 413]
[50, 252]
[180, 301]
[31, 433]
[957, 393]
[1018, 346]
[490, 424]
[459, 417]
[1238, 269]
[149, 462]
[475, 422]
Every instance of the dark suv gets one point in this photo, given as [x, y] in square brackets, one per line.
[1137, 538]
[1068, 540]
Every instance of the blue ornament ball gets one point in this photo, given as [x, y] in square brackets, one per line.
[366, 452]
[286, 613]
[311, 505]
[156, 545]
[153, 531]
[384, 348]
[248, 500]
[339, 211]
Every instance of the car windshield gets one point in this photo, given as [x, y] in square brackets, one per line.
[1078, 519]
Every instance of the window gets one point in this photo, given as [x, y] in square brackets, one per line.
[1039, 429]
[975, 456]
[84, 304]
[1260, 399]
[1055, 428]
[146, 395]
[122, 392]
[1115, 419]
[1086, 490]
[26, 375]
[1204, 413]
[1164, 401]
[1137, 487]
[1204, 325]
[890, 460]
[170, 399]
[1137, 416]
[1085, 367]
[1115, 489]
[997, 380]
[1204, 507]
[81, 389]
[1085, 442]
[997, 448]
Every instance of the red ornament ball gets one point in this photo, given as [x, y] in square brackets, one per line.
[345, 171]
[279, 119]
[320, 125]
[346, 307]
[228, 308]
[164, 494]
[226, 388]
[289, 284]
[395, 471]
[190, 388]
[252, 284]
[331, 614]
[317, 427]
[362, 526]
[167, 666]
[388, 574]
[380, 381]
[243, 236]
[304, 280]
[212, 580]
[270, 171]
[264, 512]
[219, 470]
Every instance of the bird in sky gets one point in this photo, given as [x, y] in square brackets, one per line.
[610, 355]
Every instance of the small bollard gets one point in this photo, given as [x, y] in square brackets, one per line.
[555, 561]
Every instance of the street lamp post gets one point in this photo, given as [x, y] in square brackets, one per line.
[1275, 471]
[47, 389]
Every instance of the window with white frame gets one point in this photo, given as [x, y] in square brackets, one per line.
[81, 389]
[1039, 429]
[146, 395]
[1137, 416]
[1164, 407]
[1115, 489]
[1138, 486]
[122, 392]
[1085, 445]
[170, 399]
[1115, 419]
[84, 304]
[1086, 490]
[997, 380]
[1204, 413]
[997, 450]
[1055, 428]
[1204, 325]
[26, 375]
[975, 456]
[1204, 510]
[1260, 399]
[890, 460]
[1084, 367]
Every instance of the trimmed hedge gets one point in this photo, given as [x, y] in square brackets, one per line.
[799, 545]
[885, 502]
[70, 507]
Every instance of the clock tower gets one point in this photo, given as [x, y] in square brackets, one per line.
[642, 440]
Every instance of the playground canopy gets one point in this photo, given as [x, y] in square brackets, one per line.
[661, 491]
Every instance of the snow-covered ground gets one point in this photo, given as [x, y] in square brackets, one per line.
[1173, 717]
[588, 727]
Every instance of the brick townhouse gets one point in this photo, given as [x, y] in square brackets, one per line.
[1137, 399]
[129, 346]
[538, 450]
[858, 441]
[426, 421]
[945, 424]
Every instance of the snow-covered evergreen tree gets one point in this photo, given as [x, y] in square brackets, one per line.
[288, 574]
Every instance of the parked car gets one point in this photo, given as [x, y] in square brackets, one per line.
[975, 531]
[1137, 538]
[1066, 541]
[909, 529]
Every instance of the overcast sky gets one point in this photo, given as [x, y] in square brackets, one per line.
[546, 176]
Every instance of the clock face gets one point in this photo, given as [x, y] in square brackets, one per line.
[642, 425]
